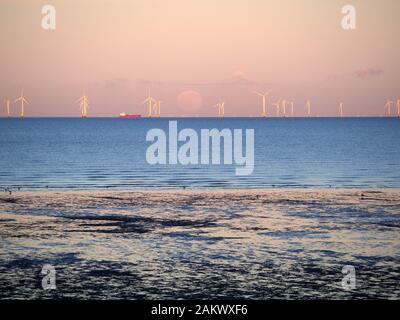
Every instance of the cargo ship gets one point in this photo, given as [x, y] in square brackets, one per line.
[129, 116]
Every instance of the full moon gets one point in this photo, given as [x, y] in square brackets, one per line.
[190, 101]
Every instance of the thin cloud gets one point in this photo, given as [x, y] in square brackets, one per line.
[149, 83]
[368, 72]
[111, 83]
[238, 79]
[361, 73]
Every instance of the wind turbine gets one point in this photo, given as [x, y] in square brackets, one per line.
[150, 102]
[8, 108]
[388, 108]
[23, 101]
[291, 103]
[221, 108]
[84, 105]
[341, 109]
[158, 108]
[277, 105]
[308, 106]
[284, 107]
[264, 102]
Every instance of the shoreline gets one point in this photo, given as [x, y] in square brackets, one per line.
[151, 190]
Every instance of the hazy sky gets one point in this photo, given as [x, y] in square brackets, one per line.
[223, 49]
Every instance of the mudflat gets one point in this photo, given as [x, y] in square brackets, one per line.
[217, 243]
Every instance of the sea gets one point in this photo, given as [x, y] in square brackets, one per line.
[110, 153]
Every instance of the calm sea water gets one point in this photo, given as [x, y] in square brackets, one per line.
[97, 153]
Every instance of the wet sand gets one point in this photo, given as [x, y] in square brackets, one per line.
[259, 244]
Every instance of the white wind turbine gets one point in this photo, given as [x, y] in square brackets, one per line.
[284, 107]
[8, 108]
[264, 102]
[157, 106]
[308, 106]
[84, 105]
[341, 109]
[23, 101]
[150, 100]
[388, 108]
[277, 105]
[221, 108]
[291, 104]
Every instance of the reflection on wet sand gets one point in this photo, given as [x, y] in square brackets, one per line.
[277, 243]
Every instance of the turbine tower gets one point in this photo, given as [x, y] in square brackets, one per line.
[291, 104]
[150, 101]
[157, 106]
[398, 108]
[284, 107]
[308, 106]
[84, 105]
[221, 108]
[23, 101]
[388, 108]
[277, 105]
[264, 102]
[8, 108]
[341, 109]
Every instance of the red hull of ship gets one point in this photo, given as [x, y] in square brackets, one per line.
[130, 116]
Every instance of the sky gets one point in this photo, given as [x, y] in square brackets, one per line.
[115, 50]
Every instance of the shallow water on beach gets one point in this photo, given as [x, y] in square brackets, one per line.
[275, 243]
[102, 153]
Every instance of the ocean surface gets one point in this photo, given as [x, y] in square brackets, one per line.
[98, 153]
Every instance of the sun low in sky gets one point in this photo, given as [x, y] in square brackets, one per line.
[191, 54]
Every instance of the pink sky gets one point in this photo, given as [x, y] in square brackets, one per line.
[223, 49]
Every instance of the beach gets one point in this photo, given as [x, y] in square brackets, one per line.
[201, 243]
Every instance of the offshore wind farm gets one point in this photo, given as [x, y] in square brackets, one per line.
[283, 107]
